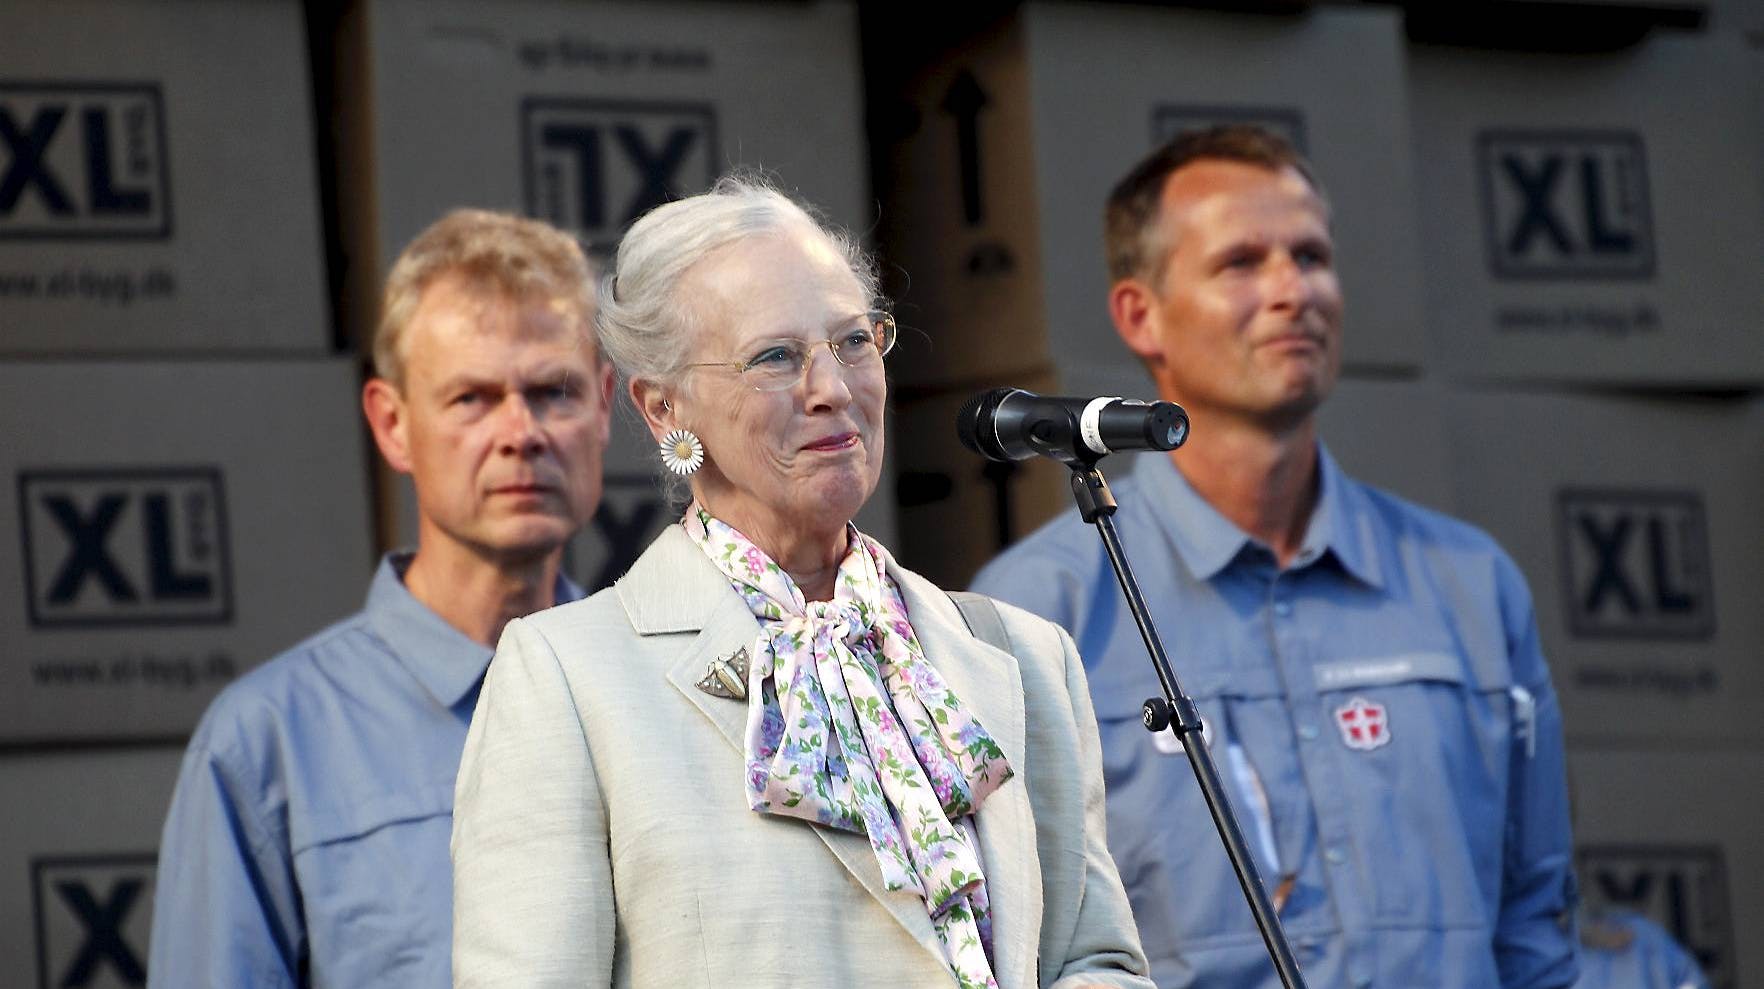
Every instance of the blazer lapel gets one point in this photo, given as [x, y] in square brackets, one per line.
[729, 627]
[990, 685]
[673, 588]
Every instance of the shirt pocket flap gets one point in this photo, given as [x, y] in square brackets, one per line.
[1207, 684]
[1409, 667]
[348, 819]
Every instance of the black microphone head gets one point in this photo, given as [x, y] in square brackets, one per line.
[974, 424]
[1167, 426]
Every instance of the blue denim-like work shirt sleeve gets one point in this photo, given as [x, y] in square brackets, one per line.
[227, 908]
[1534, 939]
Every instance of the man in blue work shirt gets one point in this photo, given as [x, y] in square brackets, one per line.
[1368, 671]
[1620, 949]
[307, 839]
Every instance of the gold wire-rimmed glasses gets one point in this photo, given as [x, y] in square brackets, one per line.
[777, 365]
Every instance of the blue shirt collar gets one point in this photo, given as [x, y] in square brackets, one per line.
[1342, 524]
[1207, 541]
[448, 664]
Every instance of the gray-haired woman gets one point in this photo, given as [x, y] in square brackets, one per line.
[770, 755]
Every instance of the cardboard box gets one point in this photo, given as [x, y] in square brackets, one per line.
[178, 524]
[1672, 832]
[1636, 522]
[159, 195]
[951, 130]
[1584, 212]
[78, 846]
[586, 115]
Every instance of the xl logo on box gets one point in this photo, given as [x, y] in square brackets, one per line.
[1635, 563]
[1565, 204]
[593, 166]
[1683, 889]
[93, 914]
[125, 547]
[83, 160]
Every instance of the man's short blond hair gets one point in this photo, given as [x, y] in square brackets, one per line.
[495, 253]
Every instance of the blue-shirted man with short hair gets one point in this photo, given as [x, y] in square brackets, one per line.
[1368, 671]
[1621, 949]
[307, 842]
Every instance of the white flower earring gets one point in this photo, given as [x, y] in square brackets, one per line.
[681, 452]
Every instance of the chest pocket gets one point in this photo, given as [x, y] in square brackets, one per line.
[1424, 700]
[377, 885]
[1422, 746]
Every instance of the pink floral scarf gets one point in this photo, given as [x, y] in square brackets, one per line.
[849, 726]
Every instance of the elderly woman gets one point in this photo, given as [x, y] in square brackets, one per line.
[770, 755]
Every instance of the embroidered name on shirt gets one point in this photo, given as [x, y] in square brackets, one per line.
[1364, 672]
[1363, 724]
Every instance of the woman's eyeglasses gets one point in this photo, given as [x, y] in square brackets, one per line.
[778, 365]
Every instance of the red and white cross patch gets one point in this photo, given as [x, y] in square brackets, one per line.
[1363, 724]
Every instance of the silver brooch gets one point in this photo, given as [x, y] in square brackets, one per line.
[726, 676]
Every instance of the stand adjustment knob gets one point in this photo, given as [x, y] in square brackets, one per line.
[1156, 713]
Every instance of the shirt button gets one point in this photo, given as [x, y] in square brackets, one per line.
[1283, 609]
[1334, 855]
[1307, 731]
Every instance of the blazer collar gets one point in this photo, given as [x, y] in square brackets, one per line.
[674, 589]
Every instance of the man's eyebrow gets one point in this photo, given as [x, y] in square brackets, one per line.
[546, 375]
[1237, 245]
[462, 381]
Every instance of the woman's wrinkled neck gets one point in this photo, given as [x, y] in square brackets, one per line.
[810, 554]
[810, 558]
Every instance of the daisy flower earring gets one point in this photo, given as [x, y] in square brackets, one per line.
[682, 452]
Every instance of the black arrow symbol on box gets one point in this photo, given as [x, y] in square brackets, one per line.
[964, 102]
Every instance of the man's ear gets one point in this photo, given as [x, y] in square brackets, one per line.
[652, 401]
[608, 376]
[383, 405]
[1134, 311]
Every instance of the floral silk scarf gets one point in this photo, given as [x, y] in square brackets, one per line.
[849, 726]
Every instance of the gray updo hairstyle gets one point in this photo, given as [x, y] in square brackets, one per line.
[643, 328]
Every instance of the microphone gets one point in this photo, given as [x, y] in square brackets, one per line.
[1008, 424]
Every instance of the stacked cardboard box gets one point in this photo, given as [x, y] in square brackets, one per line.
[183, 465]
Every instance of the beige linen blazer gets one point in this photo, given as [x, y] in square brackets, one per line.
[602, 835]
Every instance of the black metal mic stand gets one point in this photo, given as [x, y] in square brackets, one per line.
[1176, 710]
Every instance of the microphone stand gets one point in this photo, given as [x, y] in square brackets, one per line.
[1096, 503]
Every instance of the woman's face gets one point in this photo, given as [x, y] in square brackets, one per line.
[781, 465]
